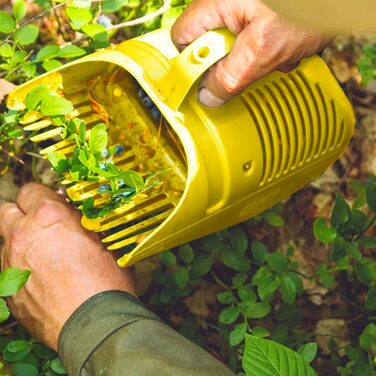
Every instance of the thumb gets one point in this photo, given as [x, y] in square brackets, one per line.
[248, 61]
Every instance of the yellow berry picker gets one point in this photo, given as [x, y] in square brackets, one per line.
[222, 166]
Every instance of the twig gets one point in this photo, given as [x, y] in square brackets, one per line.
[138, 21]
[40, 15]
[370, 224]
[6, 327]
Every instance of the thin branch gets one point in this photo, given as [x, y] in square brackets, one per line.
[138, 21]
[37, 17]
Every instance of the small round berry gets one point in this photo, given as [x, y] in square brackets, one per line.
[104, 188]
[119, 149]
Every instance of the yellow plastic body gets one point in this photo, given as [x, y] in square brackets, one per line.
[242, 158]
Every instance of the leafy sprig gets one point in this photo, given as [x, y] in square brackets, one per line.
[92, 158]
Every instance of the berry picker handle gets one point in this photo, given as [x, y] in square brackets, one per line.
[193, 62]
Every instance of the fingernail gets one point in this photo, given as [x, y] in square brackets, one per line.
[181, 47]
[208, 99]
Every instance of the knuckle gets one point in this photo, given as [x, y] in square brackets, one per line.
[50, 210]
[25, 189]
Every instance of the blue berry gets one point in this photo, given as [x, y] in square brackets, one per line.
[104, 153]
[128, 192]
[103, 166]
[119, 149]
[156, 114]
[104, 20]
[148, 102]
[121, 182]
[141, 93]
[104, 187]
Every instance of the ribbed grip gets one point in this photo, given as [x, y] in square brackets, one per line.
[297, 123]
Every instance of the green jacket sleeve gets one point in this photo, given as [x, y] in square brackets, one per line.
[113, 334]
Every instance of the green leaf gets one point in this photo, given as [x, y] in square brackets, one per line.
[70, 51]
[7, 23]
[322, 232]
[36, 95]
[258, 251]
[16, 356]
[367, 339]
[87, 207]
[261, 332]
[48, 52]
[239, 279]
[370, 302]
[358, 220]
[277, 262]
[24, 369]
[234, 259]
[181, 277]
[6, 50]
[308, 351]
[371, 196]
[94, 30]
[168, 258]
[29, 69]
[4, 310]
[59, 161]
[186, 253]
[201, 265]
[339, 249]
[275, 220]
[26, 34]
[11, 280]
[357, 356]
[238, 240]
[288, 290]
[50, 65]
[340, 213]
[263, 357]
[298, 281]
[247, 294]
[229, 315]
[98, 139]
[225, 297]
[115, 5]
[237, 334]
[364, 273]
[55, 105]
[258, 310]
[267, 287]
[18, 345]
[79, 16]
[57, 366]
[133, 179]
[19, 9]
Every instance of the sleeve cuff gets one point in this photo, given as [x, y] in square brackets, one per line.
[94, 321]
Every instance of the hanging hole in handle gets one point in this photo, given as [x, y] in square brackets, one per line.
[200, 54]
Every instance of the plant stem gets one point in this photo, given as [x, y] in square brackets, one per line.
[370, 224]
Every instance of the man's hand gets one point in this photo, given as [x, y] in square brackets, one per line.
[43, 233]
[265, 42]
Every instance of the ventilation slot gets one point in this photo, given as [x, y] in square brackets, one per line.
[295, 121]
